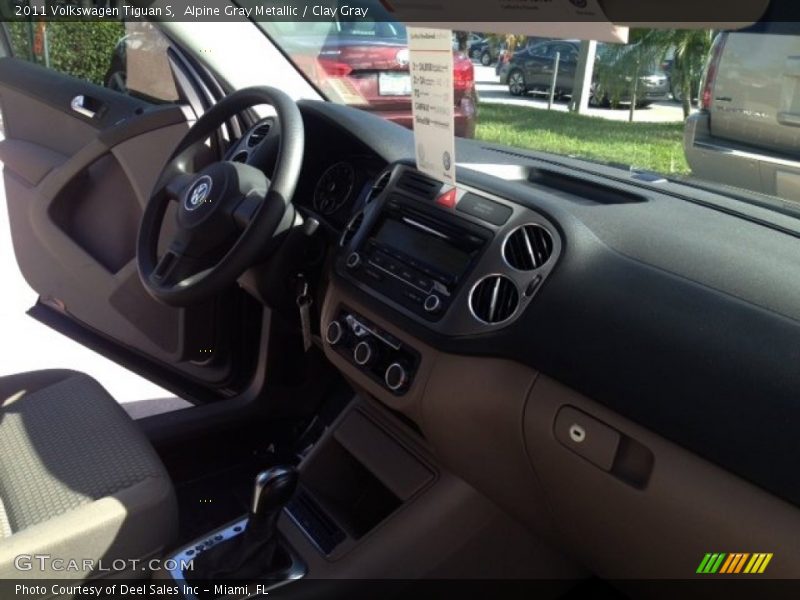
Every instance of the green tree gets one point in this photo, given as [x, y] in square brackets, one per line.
[81, 49]
[621, 66]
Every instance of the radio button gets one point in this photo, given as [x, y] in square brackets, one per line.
[373, 274]
[423, 283]
[415, 296]
[406, 275]
[432, 304]
[363, 353]
[353, 261]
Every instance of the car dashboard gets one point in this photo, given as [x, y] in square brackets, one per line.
[544, 302]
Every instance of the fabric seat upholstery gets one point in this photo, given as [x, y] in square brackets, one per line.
[78, 479]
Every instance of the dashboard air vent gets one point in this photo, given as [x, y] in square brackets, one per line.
[352, 229]
[528, 247]
[494, 299]
[258, 134]
[419, 185]
[378, 187]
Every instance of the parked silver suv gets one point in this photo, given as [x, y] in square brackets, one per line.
[747, 133]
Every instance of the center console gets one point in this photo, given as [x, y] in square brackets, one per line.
[455, 259]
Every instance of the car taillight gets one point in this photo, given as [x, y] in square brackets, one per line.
[334, 68]
[707, 86]
[463, 75]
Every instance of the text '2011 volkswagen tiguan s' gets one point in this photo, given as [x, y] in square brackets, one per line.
[570, 370]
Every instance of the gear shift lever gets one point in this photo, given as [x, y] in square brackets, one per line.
[254, 553]
[272, 491]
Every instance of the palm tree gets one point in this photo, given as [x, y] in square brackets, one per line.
[691, 51]
[618, 73]
[461, 38]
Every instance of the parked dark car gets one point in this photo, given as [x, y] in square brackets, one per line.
[531, 69]
[504, 56]
[486, 51]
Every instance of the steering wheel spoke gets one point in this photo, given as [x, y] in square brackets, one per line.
[177, 185]
[244, 212]
[176, 265]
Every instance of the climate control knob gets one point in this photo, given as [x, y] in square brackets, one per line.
[396, 377]
[334, 333]
[432, 304]
[363, 353]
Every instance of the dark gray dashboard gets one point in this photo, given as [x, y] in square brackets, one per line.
[676, 307]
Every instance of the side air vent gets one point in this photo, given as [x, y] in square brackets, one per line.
[419, 185]
[494, 299]
[258, 134]
[351, 229]
[528, 247]
[378, 187]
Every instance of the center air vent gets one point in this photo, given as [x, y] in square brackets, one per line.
[417, 184]
[528, 247]
[258, 134]
[352, 229]
[378, 187]
[494, 299]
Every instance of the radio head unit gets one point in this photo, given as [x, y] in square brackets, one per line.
[415, 258]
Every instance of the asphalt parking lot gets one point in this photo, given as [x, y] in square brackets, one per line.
[491, 91]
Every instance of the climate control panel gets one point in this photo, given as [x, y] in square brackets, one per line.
[380, 355]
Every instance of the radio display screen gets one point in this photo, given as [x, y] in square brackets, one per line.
[426, 248]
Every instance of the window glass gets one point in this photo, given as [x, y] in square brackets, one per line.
[126, 57]
[671, 101]
[542, 50]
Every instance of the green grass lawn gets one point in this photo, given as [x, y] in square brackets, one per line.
[653, 146]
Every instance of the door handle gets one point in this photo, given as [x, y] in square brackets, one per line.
[86, 106]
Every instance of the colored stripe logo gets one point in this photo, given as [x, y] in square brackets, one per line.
[734, 563]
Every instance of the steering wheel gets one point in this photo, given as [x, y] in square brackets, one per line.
[227, 213]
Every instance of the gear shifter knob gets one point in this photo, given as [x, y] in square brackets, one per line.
[272, 491]
[255, 553]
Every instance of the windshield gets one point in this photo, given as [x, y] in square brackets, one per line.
[704, 106]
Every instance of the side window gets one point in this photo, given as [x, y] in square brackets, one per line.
[568, 53]
[126, 57]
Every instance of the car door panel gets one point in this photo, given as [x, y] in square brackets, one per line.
[76, 187]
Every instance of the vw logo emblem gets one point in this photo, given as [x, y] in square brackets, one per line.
[199, 193]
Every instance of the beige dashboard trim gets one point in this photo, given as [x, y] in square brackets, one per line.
[492, 422]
